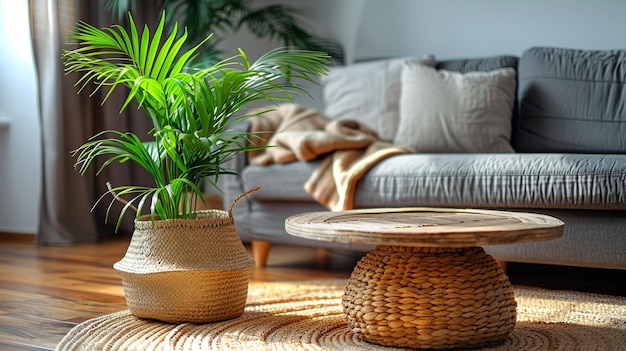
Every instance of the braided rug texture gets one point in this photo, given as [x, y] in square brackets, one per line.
[309, 316]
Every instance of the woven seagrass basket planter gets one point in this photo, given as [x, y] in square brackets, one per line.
[186, 271]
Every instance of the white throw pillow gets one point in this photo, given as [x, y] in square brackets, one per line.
[444, 111]
[368, 92]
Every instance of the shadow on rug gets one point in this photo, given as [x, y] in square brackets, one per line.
[308, 316]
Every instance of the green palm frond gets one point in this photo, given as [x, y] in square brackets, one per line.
[120, 8]
[284, 23]
[274, 21]
[192, 111]
[205, 16]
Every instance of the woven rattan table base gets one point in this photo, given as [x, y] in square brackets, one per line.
[429, 298]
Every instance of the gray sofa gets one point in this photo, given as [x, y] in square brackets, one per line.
[565, 127]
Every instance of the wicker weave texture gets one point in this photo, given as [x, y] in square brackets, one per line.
[429, 298]
[194, 271]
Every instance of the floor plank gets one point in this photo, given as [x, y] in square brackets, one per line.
[10, 346]
[25, 329]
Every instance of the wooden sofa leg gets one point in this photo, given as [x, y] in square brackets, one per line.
[260, 251]
[323, 257]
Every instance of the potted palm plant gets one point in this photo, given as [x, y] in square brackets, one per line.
[182, 265]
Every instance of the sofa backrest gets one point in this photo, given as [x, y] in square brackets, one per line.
[571, 101]
[478, 64]
[567, 100]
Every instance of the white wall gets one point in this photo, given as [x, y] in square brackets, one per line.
[461, 28]
[20, 164]
[367, 29]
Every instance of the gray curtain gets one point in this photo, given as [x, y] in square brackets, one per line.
[68, 120]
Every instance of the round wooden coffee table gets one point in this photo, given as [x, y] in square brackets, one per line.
[428, 284]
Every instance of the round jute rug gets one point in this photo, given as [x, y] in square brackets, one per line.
[308, 316]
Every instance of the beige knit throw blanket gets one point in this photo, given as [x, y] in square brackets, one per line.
[347, 148]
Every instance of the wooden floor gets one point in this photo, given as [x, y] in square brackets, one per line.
[45, 291]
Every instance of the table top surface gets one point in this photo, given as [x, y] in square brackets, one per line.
[425, 227]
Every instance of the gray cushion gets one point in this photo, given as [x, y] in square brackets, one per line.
[571, 101]
[557, 181]
[563, 181]
[367, 92]
[279, 182]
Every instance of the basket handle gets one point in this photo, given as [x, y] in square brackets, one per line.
[230, 210]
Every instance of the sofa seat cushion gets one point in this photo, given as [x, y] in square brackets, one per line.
[280, 182]
[558, 181]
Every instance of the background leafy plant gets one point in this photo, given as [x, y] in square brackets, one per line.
[200, 17]
[193, 111]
